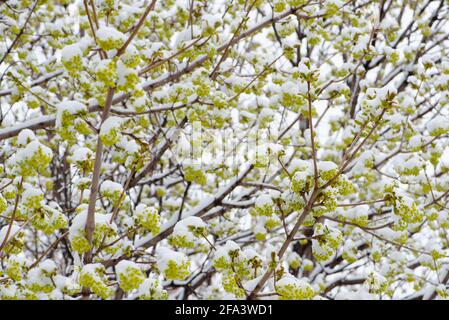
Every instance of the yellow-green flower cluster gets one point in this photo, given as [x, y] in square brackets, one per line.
[236, 266]
[437, 126]
[33, 158]
[71, 58]
[148, 218]
[39, 279]
[202, 83]
[302, 181]
[12, 238]
[408, 211]
[292, 288]
[129, 275]
[326, 241]
[327, 170]
[68, 120]
[109, 38]
[32, 198]
[357, 214]
[83, 159]
[127, 77]
[409, 167]
[177, 271]
[112, 191]
[131, 57]
[349, 251]
[174, 265]
[93, 277]
[106, 72]
[328, 201]
[109, 133]
[192, 174]
[404, 208]
[294, 260]
[15, 267]
[376, 283]
[264, 205]
[231, 284]
[49, 220]
[104, 231]
[187, 231]
[151, 289]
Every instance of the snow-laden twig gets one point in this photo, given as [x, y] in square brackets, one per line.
[200, 210]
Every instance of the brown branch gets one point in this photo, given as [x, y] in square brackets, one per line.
[47, 121]
[136, 28]
[90, 220]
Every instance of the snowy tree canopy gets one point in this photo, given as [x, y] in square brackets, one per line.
[224, 149]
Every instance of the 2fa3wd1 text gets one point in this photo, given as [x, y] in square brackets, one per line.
[235, 309]
[226, 309]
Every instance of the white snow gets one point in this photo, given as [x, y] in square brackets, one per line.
[70, 106]
[105, 33]
[123, 265]
[81, 154]
[70, 51]
[4, 231]
[326, 166]
[30, 150]
[437, 123]
[25, 136]
[109, 124]
[110, 186]
[164, 255]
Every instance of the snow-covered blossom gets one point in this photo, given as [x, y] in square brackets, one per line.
[110, 38]
[187, 231]
[291, 288]
[129, 275]
[283, 149]
[174, 265]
